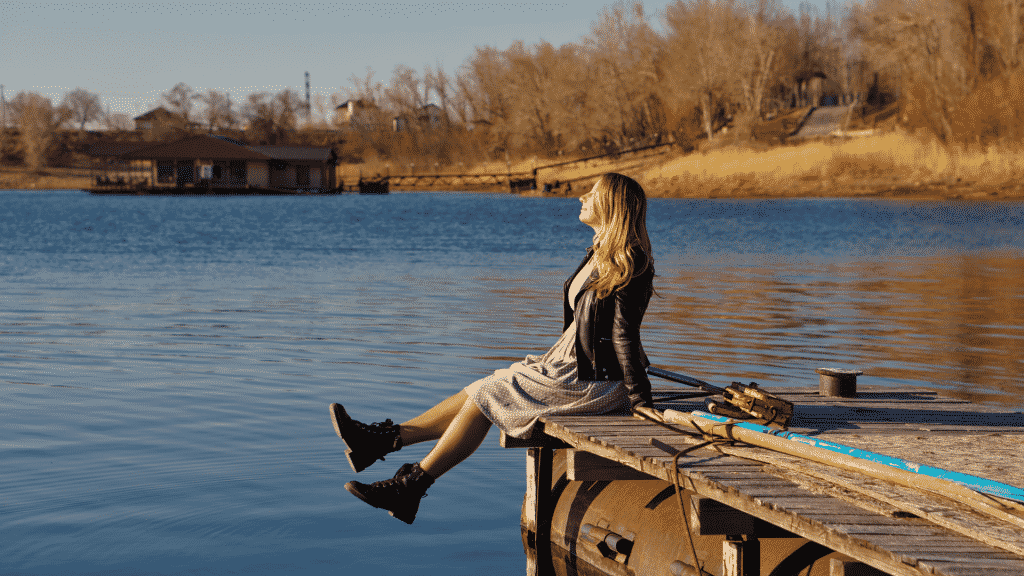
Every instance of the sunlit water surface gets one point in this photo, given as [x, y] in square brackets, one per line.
[166, 363]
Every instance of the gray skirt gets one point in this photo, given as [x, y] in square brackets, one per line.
[514, 397]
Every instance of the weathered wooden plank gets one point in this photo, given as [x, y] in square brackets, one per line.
[590, 421]
[996, 457]
[859, 516]
[656, 463]
[726, 478]
[885, 529]
[812, 502]
[584, 466]
[966, 570]
[806, 506]
[988, 563]
[765, 482]
[874, 429]
[926, 548]
[944, 512]
[955, 553]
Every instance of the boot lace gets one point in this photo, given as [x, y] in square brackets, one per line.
[384, 427]
[398, 479]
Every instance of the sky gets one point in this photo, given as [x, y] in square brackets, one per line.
[131, 52]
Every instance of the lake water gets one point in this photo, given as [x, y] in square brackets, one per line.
[166, 363]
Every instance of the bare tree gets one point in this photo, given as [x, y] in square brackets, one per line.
[218, 113]
[407, 94]
[487, 101]
[322, 108]
[288, 106]
[622, 48]
[84, 106]
[762, 42]
[117, 122]
[271, 118]
[706, 53]
[931, 44]
[181, 100]
[370, 122]
[37, 121]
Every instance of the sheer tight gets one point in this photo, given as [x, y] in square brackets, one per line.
[458, 426]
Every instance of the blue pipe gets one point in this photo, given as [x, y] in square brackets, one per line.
[976, 483]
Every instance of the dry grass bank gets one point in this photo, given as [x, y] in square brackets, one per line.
[889, 164]
[17, 178]
[893, 164]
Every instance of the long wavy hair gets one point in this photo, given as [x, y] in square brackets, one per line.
[621, 206]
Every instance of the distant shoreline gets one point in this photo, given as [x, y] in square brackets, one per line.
[801, 189]
[896, 192]
[892, 165]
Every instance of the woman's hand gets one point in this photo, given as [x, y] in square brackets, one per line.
[644, 411]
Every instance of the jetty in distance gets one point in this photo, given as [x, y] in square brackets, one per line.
[863, 481]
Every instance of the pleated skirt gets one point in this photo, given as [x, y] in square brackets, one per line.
[514, 398]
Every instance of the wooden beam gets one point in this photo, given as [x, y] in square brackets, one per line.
[710, 517]
[841, 567]
[538, 440]
[587, 467]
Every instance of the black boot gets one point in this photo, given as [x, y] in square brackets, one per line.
[366, 443]
[399, 495]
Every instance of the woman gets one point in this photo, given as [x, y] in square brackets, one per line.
[597, 366]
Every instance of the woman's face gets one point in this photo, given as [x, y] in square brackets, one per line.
[588, 212]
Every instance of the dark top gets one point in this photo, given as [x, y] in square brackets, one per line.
[608, 330]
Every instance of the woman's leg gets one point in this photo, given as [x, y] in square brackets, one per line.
[431, 424]
[465, 431]
[463, 436]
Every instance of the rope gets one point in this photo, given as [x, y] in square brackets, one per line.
[709, 440]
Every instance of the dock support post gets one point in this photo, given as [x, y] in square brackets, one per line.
[741, 556]
[538, 508]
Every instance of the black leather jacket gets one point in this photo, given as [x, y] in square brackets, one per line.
[608, 331]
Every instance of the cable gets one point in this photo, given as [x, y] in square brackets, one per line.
[709, 440]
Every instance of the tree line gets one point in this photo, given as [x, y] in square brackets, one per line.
[953, 67]
[634, 79]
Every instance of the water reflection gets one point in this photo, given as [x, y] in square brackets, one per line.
[164, 381]
[948, 322]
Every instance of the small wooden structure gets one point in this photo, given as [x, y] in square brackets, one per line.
[220, 165]
[602, 493]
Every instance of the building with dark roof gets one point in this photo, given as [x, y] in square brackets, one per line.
[220, 164]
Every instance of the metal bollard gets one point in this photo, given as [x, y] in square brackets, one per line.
[837, 382]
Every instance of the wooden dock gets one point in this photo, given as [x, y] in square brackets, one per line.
[757, 502]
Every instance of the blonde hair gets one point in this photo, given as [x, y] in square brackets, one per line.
[621, 206]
